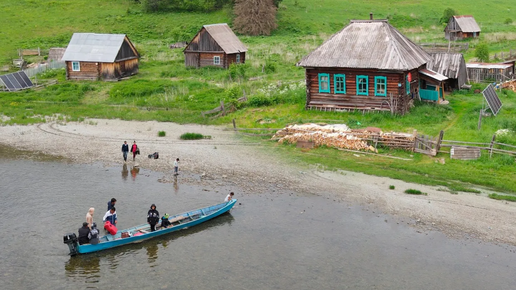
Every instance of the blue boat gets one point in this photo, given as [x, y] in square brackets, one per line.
[142, 232]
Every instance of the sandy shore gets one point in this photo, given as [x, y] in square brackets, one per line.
[227, 158]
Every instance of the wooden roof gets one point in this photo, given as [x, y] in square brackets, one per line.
[467, 23]
[373, 44]
[224, 37]
[447, 64]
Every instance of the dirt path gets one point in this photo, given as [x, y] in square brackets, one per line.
[229, 159]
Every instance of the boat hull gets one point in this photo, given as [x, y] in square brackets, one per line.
[184, 220]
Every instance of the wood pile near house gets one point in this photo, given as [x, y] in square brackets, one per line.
[510, 85]
[341, 136]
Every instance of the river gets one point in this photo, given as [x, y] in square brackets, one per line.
[270, 240]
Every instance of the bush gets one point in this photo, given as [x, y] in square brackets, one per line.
[447, 14]
[162, 134]
[502, 197]
[191, 136]
[482, 52]
[414, 191]
[392, 187]
[508, 21]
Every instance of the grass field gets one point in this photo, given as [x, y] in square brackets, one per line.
[165, 90]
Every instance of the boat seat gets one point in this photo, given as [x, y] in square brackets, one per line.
[110, 237]
[177, 219]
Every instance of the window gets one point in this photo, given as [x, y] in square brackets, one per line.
[380, 86]
[339, 82]
[324, 83]
[76, 66]
[238, 58]
[362, 85]
[407, 85]
[216, 60]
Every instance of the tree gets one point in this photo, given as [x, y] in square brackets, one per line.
[447, 14]
[255, 17]
[482, 52]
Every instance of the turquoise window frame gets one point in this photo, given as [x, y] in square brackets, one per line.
[321, 75]
[376, 83]
[336, 83]
[407, 85]
[366, 93]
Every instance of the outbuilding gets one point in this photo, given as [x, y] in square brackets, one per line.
[461, 27]
[498, 72]
[92, 56]
[214, 45]
[451, 65]
[368, 65]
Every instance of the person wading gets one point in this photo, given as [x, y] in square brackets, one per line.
[125, 150]
[135, 150]
[89, 216]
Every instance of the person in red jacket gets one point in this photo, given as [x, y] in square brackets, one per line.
[134, 149]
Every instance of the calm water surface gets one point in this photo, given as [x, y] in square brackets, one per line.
[269, 241]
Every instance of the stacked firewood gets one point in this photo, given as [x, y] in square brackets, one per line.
[341, 136]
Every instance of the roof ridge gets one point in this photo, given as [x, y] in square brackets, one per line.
[390, 33]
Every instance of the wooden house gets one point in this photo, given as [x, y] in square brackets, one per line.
[91, 56]
[368, 65]
[214, 45]
[451, 65]
[461, 27]
[498, 72]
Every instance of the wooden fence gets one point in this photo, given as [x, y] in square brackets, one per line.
[510, 55]
[445, 47]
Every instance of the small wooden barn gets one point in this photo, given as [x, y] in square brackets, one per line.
[91, 56]
[214, 45]
[451, 65]
[498, 72]
[461, 27]
[368, 65]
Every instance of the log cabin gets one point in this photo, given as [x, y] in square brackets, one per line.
[451, 65]
[92, 56]
[368, 65]
[214, 45]
[460, 27]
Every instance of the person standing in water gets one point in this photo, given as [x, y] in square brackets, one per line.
[125, 150]
[134, 149]
[176, 166]
[89, 217]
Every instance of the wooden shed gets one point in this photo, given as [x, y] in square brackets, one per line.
[214, 45]
[451, 65]
[461, 27]
[91, 56]
[368, 65]
[498, 72]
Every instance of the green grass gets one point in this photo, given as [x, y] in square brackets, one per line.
[392, 187]
[415, 192]
[191, 136]
[502, 197]
[162, 134]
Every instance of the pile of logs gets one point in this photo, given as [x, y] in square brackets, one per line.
[511, 85]
[341, 136]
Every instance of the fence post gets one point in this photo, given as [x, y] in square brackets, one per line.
[439, 141]
[234, 125]
[491, 146]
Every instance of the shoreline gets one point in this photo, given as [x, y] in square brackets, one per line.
[231, 159]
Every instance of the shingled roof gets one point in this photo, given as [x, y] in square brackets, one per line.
[93, 47]
[373, 44]
[467, 23]
[225, 38]
[447, 64]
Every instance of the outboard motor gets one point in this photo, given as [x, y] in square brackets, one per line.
[71, 240]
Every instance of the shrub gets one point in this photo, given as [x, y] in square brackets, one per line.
[392, 187]
[447, 14]
[162, 134]
[482, 52]
[414, 191]
[508, 21]
[191, 136]
[502, 197]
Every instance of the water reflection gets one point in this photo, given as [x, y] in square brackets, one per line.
[84, 267]
[152, 252]
[135, 171]
[125, 172]
[176, 185]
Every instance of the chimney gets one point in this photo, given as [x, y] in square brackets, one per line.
[371, 16]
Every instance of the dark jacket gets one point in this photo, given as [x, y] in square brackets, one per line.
[83, 235]
[109, 205]
[125, 148]
[165, 222]
[153, 216]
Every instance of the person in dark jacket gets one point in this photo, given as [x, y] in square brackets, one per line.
[125, 150]
[153, 217]
[165, 222]
[111, 203]
[93, 236]
[83, 234]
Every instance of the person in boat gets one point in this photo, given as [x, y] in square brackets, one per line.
[89, 216]
[165, 222]
[111, 216]
[83, 234]
[93, 236]
[111, 203]
[229, 197]
[153, 217]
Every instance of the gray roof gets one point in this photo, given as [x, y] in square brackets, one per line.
[467, 23]
[225, 38]
[371, 44]
[93, 47]
[433, 74]
[447, 64]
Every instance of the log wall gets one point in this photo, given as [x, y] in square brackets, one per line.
[105, 71]
[88, 71]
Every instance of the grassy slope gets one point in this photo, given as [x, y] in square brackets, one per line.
[164, 83]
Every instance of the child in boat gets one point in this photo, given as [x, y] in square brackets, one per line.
[165, 223]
